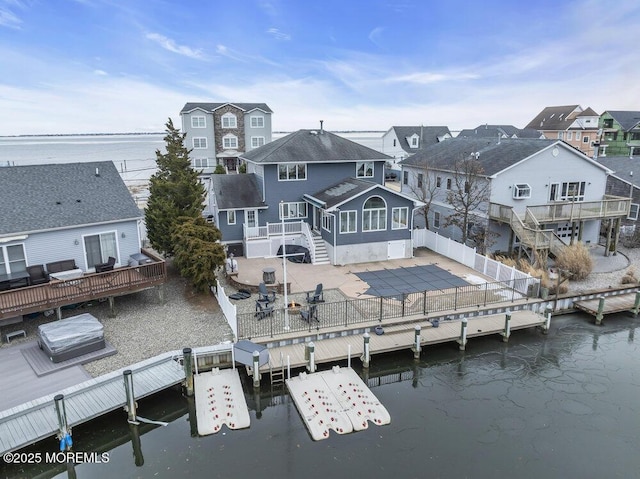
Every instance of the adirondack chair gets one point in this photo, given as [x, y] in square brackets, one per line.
[262, 311]
[315, 296]
[108, 266]
[311, 314]
[266, 295]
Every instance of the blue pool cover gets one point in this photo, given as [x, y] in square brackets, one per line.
[394, 282]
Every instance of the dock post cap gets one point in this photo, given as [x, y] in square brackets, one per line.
[58, 397]
[418, 328]
[186, 350]
[127, 372]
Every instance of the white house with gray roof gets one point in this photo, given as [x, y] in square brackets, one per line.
[219, 133]
[71, 211]
[541, 193]
[399, 142]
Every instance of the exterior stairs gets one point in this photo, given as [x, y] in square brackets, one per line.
[276, 372]
[321, 256]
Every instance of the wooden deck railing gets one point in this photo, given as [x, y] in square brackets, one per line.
[90, 286]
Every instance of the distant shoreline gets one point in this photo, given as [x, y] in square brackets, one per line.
[156, 133]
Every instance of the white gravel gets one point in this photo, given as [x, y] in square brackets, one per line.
[599, 281]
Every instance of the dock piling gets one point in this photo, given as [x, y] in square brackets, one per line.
[348, 355]
[600, 313]
[187, 363]
[131, 398]
[416, 345]
[134, 433]
[463, 335]
[547, 323]
[63, 426]
[311, 356]
[507, 326]
[256, 369]
[636, 305]
[366, 355]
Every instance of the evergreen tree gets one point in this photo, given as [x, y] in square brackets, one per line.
[174, 191]
[198, 251]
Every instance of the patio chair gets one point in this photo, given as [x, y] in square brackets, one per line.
[108, 266]
[37, 274]
[310, 314]
[266, 295]
[263, 311]
[315, 296]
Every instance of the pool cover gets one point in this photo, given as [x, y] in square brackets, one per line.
[394, 282]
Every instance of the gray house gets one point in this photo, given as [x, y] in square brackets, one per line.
[499, 131]
[326, 191]
[625, 181]
[399, 142]
[539, 194]
[73, 211]
[219, 133]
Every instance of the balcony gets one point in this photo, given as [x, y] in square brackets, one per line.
[608, 207]
[90, 286]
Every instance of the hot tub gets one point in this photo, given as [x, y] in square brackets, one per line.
[71, 337]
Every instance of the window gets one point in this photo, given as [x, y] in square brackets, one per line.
[438, 181]
[448, 183]
[572, 191]
[348, 221]
[326, 221]
[99, 247]
[561, 135]
[569, 135]
[405, 177]
[399, 218]
[12, 259]
[374, 214]
[203, 162]
[257, 122]
[521, 190]
[364, 169]
[199, 143]
[436, 219]
[231, 217]
[394, 142]
[608, 123]
[292, 171]
[585, 139]
[229, 141]
[293, 210]
[578, 135]
[633, 211]
[229, 121]
[257, 141]
[198, 122]
[420, 178]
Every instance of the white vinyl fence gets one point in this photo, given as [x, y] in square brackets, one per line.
[468, 256]
[228, 309]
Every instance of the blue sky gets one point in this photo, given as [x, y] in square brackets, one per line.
[82, 66]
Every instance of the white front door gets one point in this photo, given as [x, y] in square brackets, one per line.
[251, 218]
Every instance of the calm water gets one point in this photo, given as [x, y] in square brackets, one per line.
[558, 406]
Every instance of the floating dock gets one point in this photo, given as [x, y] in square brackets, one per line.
[335, 400]
[220, 400]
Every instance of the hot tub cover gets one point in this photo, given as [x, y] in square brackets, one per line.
[71, 332]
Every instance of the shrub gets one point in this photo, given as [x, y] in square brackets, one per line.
[242, 168]
[219, 170]
[576, 260]
[629, 276]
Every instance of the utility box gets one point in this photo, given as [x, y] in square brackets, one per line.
[243, 352]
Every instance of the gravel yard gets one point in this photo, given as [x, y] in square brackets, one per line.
[596, 281]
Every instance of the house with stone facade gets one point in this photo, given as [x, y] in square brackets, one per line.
[324, 191]
[538, 194]
[219, 133]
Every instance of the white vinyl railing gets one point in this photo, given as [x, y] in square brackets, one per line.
[228, 309]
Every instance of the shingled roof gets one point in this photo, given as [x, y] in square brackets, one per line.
[495, 131]
[628, 119]
[429, 135]
[319, 146]
[210, 107]
[43, 197]
[558, 118]
[236, 191]
[493, 156]
[625, 168]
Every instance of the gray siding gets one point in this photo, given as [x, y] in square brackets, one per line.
[617, 187]
[250, 132]
[207, 132]
[49, 246]
[232, 233]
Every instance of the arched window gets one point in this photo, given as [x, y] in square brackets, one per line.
[374, 214]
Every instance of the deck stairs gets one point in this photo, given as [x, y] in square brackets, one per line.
[321, 255]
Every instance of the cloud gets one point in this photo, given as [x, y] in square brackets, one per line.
[278, 35]
[375, 34]
[227, 52]
[9, 19]
[100, 72]
[169, 44]
[426, 78]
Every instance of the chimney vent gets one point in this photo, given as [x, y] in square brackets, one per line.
[97, 171]
[321, 130]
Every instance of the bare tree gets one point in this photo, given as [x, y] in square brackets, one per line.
[423, 187]
[469, 192]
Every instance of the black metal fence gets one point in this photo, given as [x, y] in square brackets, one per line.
[353, 311]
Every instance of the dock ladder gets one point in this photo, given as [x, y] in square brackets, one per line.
[276, 372]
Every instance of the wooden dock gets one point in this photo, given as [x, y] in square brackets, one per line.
[399, 337]
[37, 420]
[600, 307]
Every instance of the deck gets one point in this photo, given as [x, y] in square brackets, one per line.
[91, 286]
[612, 304]
[400, 337]
[36, 420]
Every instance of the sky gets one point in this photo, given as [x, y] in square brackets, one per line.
[107, 66]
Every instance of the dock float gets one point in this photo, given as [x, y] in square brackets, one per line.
[599, 307]
[220, 401]
[335, 400]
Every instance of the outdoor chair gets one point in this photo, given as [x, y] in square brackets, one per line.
[108, 266]
[266, 295]
[315, 296]
[263, 311]
[311, 314]
[37, 274]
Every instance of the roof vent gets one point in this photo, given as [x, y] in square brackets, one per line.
[313, 132]
[97, 171]
[321, 129]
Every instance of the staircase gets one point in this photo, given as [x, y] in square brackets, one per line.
[321, 256]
